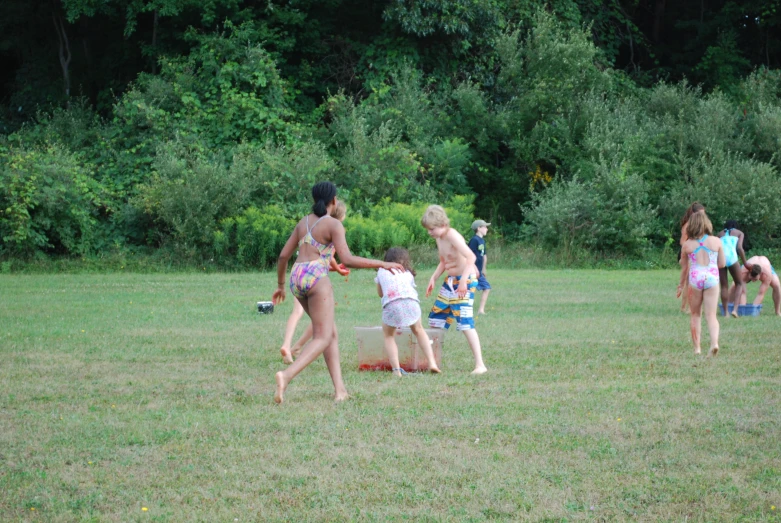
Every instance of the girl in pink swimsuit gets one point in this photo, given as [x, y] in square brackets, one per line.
[700, 263]
[702, 277]
[317, 239]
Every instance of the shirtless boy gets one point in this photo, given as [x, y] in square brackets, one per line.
[456, 298]
[758, 268]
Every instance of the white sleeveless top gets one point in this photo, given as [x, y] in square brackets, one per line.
[396, 286]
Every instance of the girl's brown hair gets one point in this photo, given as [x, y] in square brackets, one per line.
[340, 211]
[699, 225]
[400, 255]
[693, 209]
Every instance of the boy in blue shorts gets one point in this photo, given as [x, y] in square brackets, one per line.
[477, 244]
[456, 298]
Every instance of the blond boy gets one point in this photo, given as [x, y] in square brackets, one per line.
[455, 301]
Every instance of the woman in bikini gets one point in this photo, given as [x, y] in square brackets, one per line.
[702, 256]
[317, 236]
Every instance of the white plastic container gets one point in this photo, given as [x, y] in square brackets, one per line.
[371, 349]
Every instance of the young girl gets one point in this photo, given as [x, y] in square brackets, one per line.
[401, 308]
[732, 240]
[701, 258]
[693, 208]
[339, 212]
[317, 236]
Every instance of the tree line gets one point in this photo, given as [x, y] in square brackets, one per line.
[134, 123]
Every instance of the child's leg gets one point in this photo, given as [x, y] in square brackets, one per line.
[738, 286]
[710, 298]
[331, 355]
[425, 343]
[305, 337]
[319, 305]
[695, 303]
[724, 286]
[483, 299]
[290, 330]
[391, 349]
[474, 344]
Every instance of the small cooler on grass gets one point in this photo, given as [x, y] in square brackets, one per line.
[749, 310]
[371, 349]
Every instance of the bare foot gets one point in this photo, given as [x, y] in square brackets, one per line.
[480, 312]
[713, 351]
[279, 395]
[734, 313]
[697, 351]
[434, 369]
[287, 358]
[479, 370]
[341, 396]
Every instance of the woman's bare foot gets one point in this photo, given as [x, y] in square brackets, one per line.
[279, 395]
[287, 358]
[341, 396]
[713, 351]
[434, 369]
[480, 370]
[734, 313]
[697, 351]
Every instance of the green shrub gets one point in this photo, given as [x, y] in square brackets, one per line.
[255, 237]
[608, 213]
[189, 193]
[731, 187]
[283, 175]
[49, 201]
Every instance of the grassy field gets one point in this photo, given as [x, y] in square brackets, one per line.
[149, 397]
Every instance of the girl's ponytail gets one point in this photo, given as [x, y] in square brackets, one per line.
[322, 193]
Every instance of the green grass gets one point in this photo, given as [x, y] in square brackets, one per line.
[124, 391]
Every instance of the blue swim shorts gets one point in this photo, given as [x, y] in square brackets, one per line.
[449, 308]
[482, 284]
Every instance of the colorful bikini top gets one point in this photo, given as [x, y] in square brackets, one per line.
[713, 256]
[326, 251]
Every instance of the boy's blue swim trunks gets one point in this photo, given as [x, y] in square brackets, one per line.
[482, 284]
[449, 308]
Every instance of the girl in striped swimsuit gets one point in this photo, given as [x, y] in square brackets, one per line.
[317, 236]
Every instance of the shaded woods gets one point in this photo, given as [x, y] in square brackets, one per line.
[136, 125]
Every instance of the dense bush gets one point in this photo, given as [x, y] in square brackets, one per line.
[539, 136]
[189, 192]
[609, 213]
[732, 188]
[49, 202]
[255, 237]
